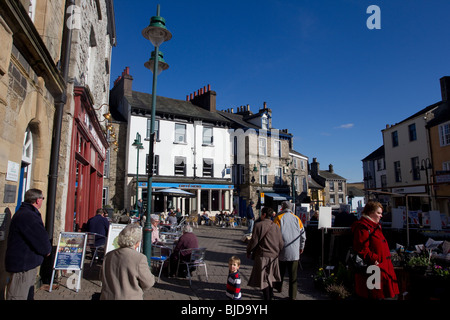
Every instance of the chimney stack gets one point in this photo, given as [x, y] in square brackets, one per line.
[445, 88]
[330, 168]
[315, 167]
[204, 98]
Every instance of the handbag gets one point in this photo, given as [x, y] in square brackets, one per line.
[354, 261]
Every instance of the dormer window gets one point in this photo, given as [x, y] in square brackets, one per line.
[264, 122]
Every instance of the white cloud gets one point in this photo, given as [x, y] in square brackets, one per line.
[345, 126]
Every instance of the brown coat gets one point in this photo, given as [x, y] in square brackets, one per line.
[266, 242]
[125, 275]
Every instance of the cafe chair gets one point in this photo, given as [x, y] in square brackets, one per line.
[93, 248]
[160, 255]
[192, 219]
[196, 260]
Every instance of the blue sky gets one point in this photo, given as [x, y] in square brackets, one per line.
[330, 80]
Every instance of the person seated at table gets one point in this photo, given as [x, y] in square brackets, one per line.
[205, 217]
[220, 218]
[172, 219]
[187, 241]
[154, 220]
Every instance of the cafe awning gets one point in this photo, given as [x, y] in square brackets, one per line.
[175, 192]
[278, 196]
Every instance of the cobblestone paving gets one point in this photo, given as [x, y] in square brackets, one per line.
[221, 243]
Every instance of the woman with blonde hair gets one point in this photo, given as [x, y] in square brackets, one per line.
[370, 244]
[126, 273]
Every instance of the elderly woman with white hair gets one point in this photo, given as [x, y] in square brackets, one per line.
[187, 241]
[126, 273]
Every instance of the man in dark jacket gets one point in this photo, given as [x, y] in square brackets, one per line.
[28, 244]
[100, 225]
[250, 217]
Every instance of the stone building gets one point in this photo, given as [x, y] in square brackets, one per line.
[85, 137]
[262, 159]
[439, 139]
[335, 186]
[191, 150]
[54, 74]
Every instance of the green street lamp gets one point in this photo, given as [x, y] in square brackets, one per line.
[157, 33]
[138, 144]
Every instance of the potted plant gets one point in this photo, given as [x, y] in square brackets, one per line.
[337, 291]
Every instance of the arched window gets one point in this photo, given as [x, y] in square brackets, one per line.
[25, 168]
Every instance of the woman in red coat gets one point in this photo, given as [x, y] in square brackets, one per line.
[370, 243]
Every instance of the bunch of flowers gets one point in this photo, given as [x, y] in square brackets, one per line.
[441, 272]
[322, 279]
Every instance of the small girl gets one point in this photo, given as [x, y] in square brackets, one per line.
[234, 280]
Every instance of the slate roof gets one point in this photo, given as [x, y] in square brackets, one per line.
[379, 153]
[330, 176]
[238, 119]
[178, 108]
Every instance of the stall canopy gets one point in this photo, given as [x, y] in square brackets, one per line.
[175, 192]
[278, 196]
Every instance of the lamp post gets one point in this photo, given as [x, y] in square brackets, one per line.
[138, 144]
[425, 165]
[157, 33]
[293, 185]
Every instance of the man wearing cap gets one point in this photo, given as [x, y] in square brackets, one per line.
[294, 238]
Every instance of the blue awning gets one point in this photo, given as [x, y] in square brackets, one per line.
[278, 196]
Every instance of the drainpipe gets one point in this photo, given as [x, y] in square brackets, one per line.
[56, 138]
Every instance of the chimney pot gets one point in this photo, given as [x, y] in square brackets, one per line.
[209, 87]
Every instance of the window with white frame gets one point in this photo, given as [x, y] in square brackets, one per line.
[149, 123]
[277, 148]
[446, 166]
[105, 196]
[208, 167]
[444, 134]
[262, 146]
[278, 175]
[207, 136]
[264, 123]
[332, 199]
[180, 166]
[331, 184]
[263, 175]
[180, 133]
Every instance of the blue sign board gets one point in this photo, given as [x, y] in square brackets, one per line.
[186, 185]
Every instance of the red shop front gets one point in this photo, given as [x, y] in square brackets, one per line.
[87, 158]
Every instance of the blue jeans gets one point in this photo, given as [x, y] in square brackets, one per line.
[250, 223]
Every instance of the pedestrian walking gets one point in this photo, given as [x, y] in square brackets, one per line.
[265, 246]
[250, 216]
[370, 243]
[234, 280]
[28, 244]
[294, 237]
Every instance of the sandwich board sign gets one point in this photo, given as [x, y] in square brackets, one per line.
[113, 236]
[70, 256]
